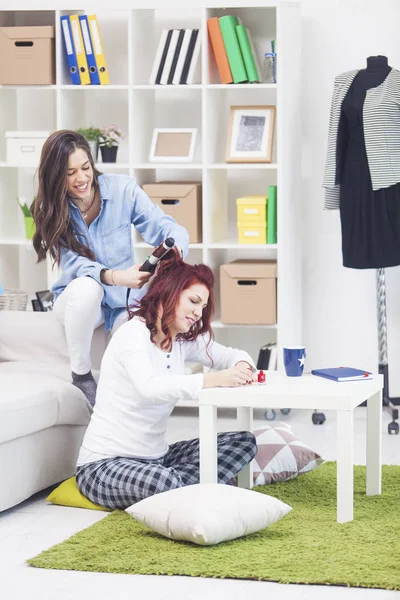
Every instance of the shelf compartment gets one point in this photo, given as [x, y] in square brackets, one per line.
[114, 28]
[26, 109]
[147, 25]
[97, 108]
[217, 106]
[261, 23]
[160, 108]
[220, 212]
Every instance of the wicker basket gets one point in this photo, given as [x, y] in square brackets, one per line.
[13, 300]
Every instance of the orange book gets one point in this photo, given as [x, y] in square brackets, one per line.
[214, 31]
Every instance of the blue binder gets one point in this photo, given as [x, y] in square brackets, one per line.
[87, 41]
[70, 50]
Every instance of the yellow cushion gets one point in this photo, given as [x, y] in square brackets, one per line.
[67, 494]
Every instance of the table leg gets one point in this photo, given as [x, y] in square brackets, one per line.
[345, 467]
[208, 444]
[374, 444]
[244, 422]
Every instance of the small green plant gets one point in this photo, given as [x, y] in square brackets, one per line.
[91, 134]
[24, 207]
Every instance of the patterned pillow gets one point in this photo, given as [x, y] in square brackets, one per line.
[281, 455]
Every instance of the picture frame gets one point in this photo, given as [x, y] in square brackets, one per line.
[250, 136]
[173, 145]
[45, 300]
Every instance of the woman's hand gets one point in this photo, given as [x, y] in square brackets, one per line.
[247, 366]
[132, 277]
[238, 375]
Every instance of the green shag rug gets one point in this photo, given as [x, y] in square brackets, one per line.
[306, 546]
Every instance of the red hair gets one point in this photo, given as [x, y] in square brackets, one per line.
[172, 277]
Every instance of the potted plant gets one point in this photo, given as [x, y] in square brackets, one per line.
[110, 138]
[28, 219]
[91, 135]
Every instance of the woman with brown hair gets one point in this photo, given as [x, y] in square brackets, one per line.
[83, 222]
[124, 456]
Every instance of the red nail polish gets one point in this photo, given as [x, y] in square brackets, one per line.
[261, 377]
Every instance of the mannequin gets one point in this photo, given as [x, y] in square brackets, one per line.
[370, 220]
[370, 216]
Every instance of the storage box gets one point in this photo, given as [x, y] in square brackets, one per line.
[252, 232]
[27, 55]
[24, 147]
[180, 200]
[252, 208]
[248, 292]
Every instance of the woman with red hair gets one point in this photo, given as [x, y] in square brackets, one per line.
[124, 457]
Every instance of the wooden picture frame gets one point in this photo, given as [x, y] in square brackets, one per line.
[173, 145]
[250, 134]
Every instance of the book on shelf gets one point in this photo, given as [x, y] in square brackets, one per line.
[80, 53]
[247, 53]
[194, 62]
[191, 59]
[70, 50]
[187, 34]
[271, 214]
[217, 43]
[228, 29]
[343, 374]
[98, 51]
[176, 58]
[158, 56]
[87, 42]
[170, 56]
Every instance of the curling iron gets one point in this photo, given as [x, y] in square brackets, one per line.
[159, 253]
[151, 261]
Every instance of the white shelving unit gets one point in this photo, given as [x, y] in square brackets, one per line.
[130, 37]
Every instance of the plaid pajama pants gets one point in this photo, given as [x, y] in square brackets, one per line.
[119, 482]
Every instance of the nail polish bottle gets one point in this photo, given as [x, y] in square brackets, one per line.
[261, 377]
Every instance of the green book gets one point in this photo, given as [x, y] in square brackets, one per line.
[271, 214]
[231, 43]
[248, 58]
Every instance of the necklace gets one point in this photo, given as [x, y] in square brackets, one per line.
[84, 213]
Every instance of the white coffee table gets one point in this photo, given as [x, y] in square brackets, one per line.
[306, 392]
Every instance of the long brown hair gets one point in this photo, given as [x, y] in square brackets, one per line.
[173, 276]
[50, 208]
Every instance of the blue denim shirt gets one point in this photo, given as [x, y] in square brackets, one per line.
[122, 203]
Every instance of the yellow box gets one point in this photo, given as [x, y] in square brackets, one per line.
[252, 208]
[252, 232]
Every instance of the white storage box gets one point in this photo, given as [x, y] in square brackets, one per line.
[24, 147]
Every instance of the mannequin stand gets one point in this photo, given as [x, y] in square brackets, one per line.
[388, 403]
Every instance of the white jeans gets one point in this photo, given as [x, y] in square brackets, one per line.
[78, 308]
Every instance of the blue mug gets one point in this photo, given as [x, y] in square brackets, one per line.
[293, 359]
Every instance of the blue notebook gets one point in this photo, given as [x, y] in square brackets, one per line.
[343, 374]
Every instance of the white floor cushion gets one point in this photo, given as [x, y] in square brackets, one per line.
[207, 514]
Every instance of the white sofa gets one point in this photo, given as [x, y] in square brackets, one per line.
[42, 415]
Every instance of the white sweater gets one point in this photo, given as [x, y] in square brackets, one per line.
[138, 388]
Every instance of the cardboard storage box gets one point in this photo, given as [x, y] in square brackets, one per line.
[27, 55]
[252, 232]
[248, 292]
[24, 147]
[182, 201]
[252, 208]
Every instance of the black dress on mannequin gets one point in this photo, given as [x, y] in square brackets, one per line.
[370, 220]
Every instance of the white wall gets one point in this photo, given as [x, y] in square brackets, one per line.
[340, 323]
